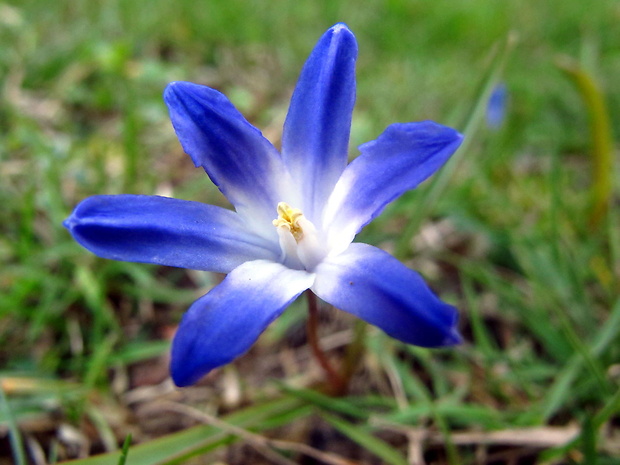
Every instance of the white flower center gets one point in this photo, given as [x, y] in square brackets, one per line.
[299, 239]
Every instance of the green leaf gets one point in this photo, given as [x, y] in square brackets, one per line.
[125, 450]
[331, 404]
[372, 444]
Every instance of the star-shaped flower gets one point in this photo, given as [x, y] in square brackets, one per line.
[296, 214]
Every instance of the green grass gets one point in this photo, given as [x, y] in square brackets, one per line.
[535, 277]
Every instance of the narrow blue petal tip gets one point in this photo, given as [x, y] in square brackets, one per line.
[453, 338]
[452, 335]
[184, 375]
[172, 87]
[339, 27]
[342, 30]
[72, 220]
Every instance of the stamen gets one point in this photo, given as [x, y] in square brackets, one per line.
[299, 240]
[288, 218]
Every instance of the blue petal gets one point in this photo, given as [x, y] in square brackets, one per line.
[164, 231]
[374, 286]
[223, 324]
[316, 131]
[400, 159]
[238, 159]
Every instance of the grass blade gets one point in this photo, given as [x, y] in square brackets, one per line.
[561, 388]
[176, 447]
[371, 443]
[600, 134]
[17, 445]
[473, 121]
[125, 450]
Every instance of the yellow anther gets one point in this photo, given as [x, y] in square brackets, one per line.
[289, 218]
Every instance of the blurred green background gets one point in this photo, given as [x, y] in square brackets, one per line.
[520, 231]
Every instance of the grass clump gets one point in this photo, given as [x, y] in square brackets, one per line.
[509, 240]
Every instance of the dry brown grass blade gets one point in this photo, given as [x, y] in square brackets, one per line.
[537, 437]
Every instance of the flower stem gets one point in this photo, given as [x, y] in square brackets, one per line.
[337, 384]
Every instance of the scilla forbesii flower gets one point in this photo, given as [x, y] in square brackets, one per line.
[296, 214]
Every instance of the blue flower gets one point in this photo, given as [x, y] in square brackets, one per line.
[496, 106]
[296, 214]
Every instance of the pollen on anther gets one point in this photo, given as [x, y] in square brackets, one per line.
[288, 218]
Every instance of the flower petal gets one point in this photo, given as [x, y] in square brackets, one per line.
[238, 159]
[223, 324]
[398, 160]
[316, 131]
[374, 286]
[165, 231]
